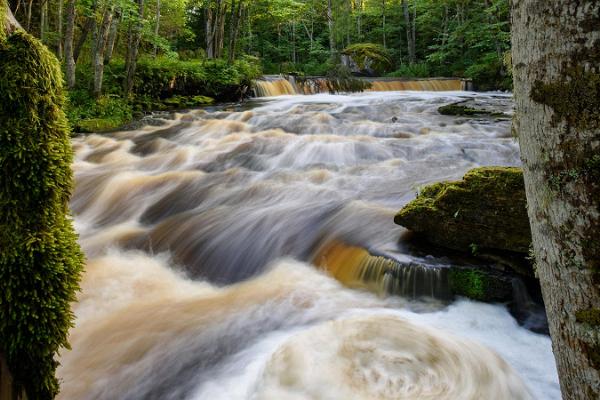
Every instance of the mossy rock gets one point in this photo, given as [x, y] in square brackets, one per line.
[487, 210]
[480, 285]
[472, 108]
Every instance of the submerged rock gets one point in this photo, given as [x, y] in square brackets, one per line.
[485, 213]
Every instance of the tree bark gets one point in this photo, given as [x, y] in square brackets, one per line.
[133, 45]
[156, 27]
[9, 23]
[557, 89]
[410, 33]
[112, 37]
[331, 27]
[383, 22]
[43, 20]
[99, 48]
[59, 29]
[69, 36]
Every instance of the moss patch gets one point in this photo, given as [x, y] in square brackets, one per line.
[575, 99]
[590, 317]
[478, 285]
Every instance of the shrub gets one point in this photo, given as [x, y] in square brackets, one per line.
[40, 260]
[412, 71]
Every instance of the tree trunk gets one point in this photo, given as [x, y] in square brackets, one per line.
[557, 85]
[59, 29]
[234, 25]
[29, 10]
[383, 22]
[43, 20]
[9, 23]
[156, 27]
[112, 37]
[69, 36]
[331, 27]
[8, 389]
[359, 10]
[99, 48]
[133, 45]
[410, 32]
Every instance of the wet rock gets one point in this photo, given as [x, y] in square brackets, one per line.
[484, 214]
[478, 108]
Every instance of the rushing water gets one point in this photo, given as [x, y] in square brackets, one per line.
[202, 232]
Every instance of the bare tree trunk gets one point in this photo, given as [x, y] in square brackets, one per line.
[410, 32]
[234, 28]
[383, 22]
[29, 9]
[557, 82]
[133, 46]
[156, 27]
[59, 29]
[69, 36]
[100, 47]
[359, 8]
[331, 28]
[43, 20]
[210, 53]
[112, 37]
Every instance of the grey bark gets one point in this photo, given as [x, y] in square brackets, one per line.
[410, 33]
[331, 27]
[156, 27]
[69, 36]
[112, 37]
[101, 39]
[383, 22]
[43, 19]
[59, 24]
[133, 45]
[557, 81]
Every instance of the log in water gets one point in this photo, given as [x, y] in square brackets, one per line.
[214, 238]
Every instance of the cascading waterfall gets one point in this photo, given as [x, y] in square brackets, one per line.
[214, 239]
[279, 86]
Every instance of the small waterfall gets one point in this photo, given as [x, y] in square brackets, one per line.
[356, 267]
[280, 85]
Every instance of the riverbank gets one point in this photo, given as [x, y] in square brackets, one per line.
[159, 85]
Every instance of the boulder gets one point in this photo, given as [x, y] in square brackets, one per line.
[484, 213]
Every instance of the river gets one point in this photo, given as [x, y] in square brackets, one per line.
[202, 231]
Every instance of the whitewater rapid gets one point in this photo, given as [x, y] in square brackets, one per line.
[201, 230]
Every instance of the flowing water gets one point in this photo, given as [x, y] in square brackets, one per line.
[204, 230]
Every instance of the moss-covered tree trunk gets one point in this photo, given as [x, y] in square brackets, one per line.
[556, 57]
[40, 260]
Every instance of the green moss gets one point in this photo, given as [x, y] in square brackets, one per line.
[590, 317]
[40, 260]
[487, 207]
[575, 98]
[468, 283]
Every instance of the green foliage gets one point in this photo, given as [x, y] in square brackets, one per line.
[88, 114]
[421, 70]
[40, 260]
[369, 55]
